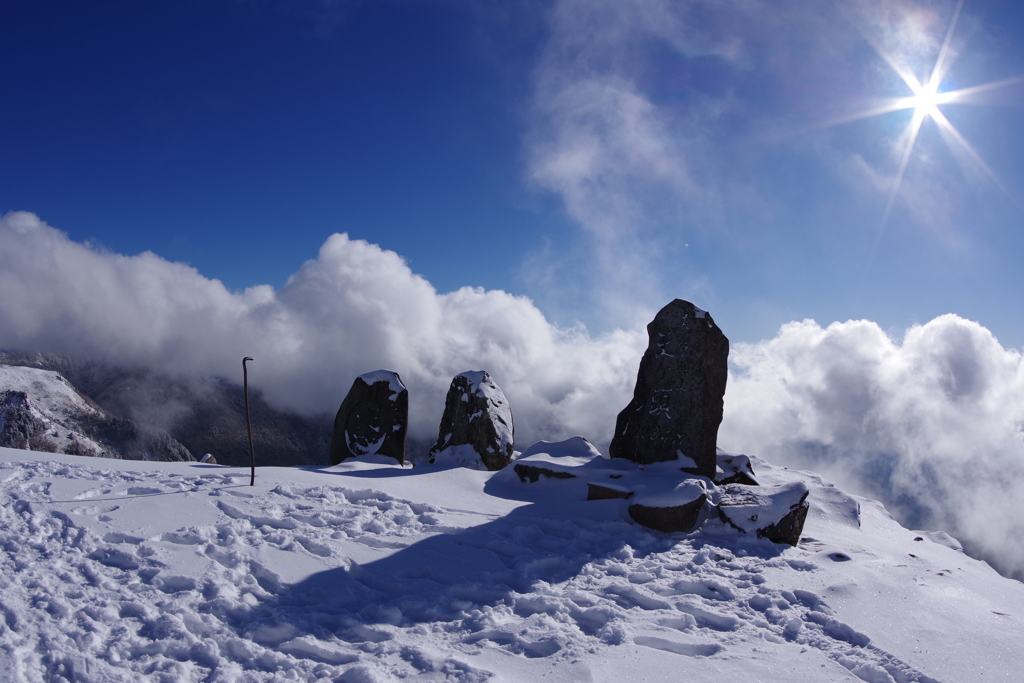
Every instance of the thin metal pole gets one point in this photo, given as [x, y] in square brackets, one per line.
[248, 424]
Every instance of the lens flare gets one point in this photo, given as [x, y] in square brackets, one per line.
[925, 100]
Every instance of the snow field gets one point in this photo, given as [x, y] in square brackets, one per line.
[368, 572]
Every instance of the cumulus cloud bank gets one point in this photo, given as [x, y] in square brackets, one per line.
[932, 425]
[354, 308]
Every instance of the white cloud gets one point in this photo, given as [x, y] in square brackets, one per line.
[933, 425]
[354, 308]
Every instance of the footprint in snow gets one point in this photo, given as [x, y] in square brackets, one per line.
[675, 647]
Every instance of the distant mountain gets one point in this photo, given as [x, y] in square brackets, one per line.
[42, 411]
[199, 415]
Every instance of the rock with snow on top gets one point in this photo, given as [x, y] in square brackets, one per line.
[673, 509]
[476, 428]
[678, 400]
[734, 469]
[557, 459]
[373, 419]
[776, 513]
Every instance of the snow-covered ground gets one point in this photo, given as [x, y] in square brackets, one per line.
[366, 571]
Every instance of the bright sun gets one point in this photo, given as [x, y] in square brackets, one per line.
[925, 102]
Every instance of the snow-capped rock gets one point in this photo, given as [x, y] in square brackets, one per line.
[476, 427]
[373, 419]
[670, 509]
[776, 513]
[678, 399]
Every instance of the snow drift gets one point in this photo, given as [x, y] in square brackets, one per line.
[115, 570]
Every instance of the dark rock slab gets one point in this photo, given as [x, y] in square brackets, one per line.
[676, 509]
[476, 428]
[373, 419]
[606, 491]
[535, 472]
[776, 513]
[678, 400]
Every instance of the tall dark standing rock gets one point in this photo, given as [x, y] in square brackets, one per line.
[373, 418]
[677, 403]
[476, 428]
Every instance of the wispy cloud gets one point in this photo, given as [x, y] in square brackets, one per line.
[621, 163]
[737, 125]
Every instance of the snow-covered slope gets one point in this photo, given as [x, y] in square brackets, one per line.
[203, 415]
[117, 570]
[41, 411]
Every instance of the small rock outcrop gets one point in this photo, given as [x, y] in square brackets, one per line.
[775, 513]
[669, 511]
[734, 469]
[373, 419]
[476, 428]
[678, 400]
[605, 491]
[533, 473]
[557, 460]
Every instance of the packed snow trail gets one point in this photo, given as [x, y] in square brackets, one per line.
[182, 573]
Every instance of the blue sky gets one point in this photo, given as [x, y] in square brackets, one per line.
[600, 158]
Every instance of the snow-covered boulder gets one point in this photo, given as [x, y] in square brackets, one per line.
[776, 513]
[558, 459]
[734, 469]
[675, 508]
[678, 400]
[476, 428]
[373, 419]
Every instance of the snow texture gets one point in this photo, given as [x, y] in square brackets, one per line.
[463, 455]
[499, 406]
[389, 376]
[115, 570]
[679, 493]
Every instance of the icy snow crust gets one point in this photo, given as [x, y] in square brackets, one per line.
[114, 570]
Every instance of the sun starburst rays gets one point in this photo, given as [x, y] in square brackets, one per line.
[925, 101]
